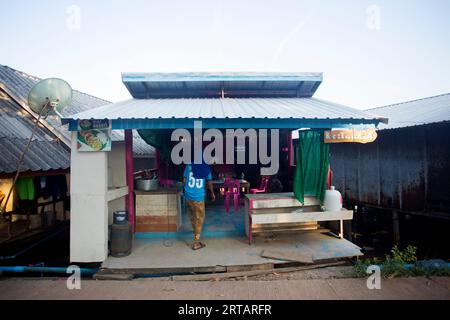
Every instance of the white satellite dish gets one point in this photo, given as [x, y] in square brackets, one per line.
[49, 96]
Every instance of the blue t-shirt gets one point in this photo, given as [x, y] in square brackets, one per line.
[194, 189]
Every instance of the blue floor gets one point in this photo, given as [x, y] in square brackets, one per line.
[218, 223]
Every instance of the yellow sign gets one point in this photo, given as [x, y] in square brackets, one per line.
[350, 135]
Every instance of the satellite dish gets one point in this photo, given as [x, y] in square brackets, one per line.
[51, 94]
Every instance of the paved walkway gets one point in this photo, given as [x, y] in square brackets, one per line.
[228, 251]
[405, 288]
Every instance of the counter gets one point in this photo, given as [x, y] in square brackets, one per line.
[282, 212]
[158, 210]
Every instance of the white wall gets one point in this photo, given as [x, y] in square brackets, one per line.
[92, 173]
[89, 209]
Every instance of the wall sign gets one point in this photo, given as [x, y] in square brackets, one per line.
[350, 135]
[94, 135]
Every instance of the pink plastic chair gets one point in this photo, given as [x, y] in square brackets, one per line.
[232, 189]
[263, 187]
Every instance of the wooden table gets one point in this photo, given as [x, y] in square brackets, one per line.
[282, 211]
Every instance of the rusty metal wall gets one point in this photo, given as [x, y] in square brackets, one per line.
[406, 169]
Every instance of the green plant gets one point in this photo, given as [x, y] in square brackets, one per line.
[394, 265]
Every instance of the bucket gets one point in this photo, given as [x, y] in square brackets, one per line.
[120, 217]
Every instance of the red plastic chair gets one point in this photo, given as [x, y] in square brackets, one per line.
[232, 189]
[263, 186]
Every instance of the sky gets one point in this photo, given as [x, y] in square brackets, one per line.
[371, 53]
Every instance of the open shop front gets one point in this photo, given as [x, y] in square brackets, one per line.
[265, 212]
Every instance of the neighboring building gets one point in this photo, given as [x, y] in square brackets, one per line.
[406, 171]
[49, 152]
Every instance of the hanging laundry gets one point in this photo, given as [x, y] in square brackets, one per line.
[51, 186]
[25, 188]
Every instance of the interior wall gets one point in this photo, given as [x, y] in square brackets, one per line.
[116, 176]
[5, 185]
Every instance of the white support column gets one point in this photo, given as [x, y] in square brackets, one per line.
[89, 207]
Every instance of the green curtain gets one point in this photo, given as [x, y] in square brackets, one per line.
[25, 188]
[160, 139]
[313, 159]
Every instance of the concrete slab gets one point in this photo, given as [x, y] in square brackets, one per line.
[229, 251]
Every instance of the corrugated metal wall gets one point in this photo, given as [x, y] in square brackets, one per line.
[406, 169]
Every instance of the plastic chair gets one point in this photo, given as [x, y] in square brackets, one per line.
[263, 186]
[232, 189]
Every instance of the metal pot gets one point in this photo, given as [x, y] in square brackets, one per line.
[146, 184]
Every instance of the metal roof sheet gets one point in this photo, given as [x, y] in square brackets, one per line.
[416, 112]
[41, 156]
[17, 84]
[215, 85]
[226, 108]
[45, 151]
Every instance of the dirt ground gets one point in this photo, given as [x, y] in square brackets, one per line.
[327, 283]
[340, 272]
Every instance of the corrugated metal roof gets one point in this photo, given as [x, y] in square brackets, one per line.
[227, 108]
[17, 84]
[41, 155]
[417, 112]
[215, 85]
[45, 151]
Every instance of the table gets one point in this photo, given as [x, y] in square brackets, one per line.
[283, 212]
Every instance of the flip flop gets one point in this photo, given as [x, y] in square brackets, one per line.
[198, 245]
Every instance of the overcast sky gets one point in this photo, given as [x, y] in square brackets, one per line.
[371, 53]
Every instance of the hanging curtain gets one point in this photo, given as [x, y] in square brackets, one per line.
[313, 160]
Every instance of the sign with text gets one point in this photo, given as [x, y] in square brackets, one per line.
[94, 135]
[350, 135]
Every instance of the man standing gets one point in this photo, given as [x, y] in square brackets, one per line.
[195, 178]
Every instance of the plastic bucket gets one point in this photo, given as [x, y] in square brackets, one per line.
[120, 217]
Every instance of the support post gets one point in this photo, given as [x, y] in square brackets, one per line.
[129, 200]
[88, 205]
[290, 155]
[395, 227]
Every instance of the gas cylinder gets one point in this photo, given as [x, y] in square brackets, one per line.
[121, 235]
[333, 200]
